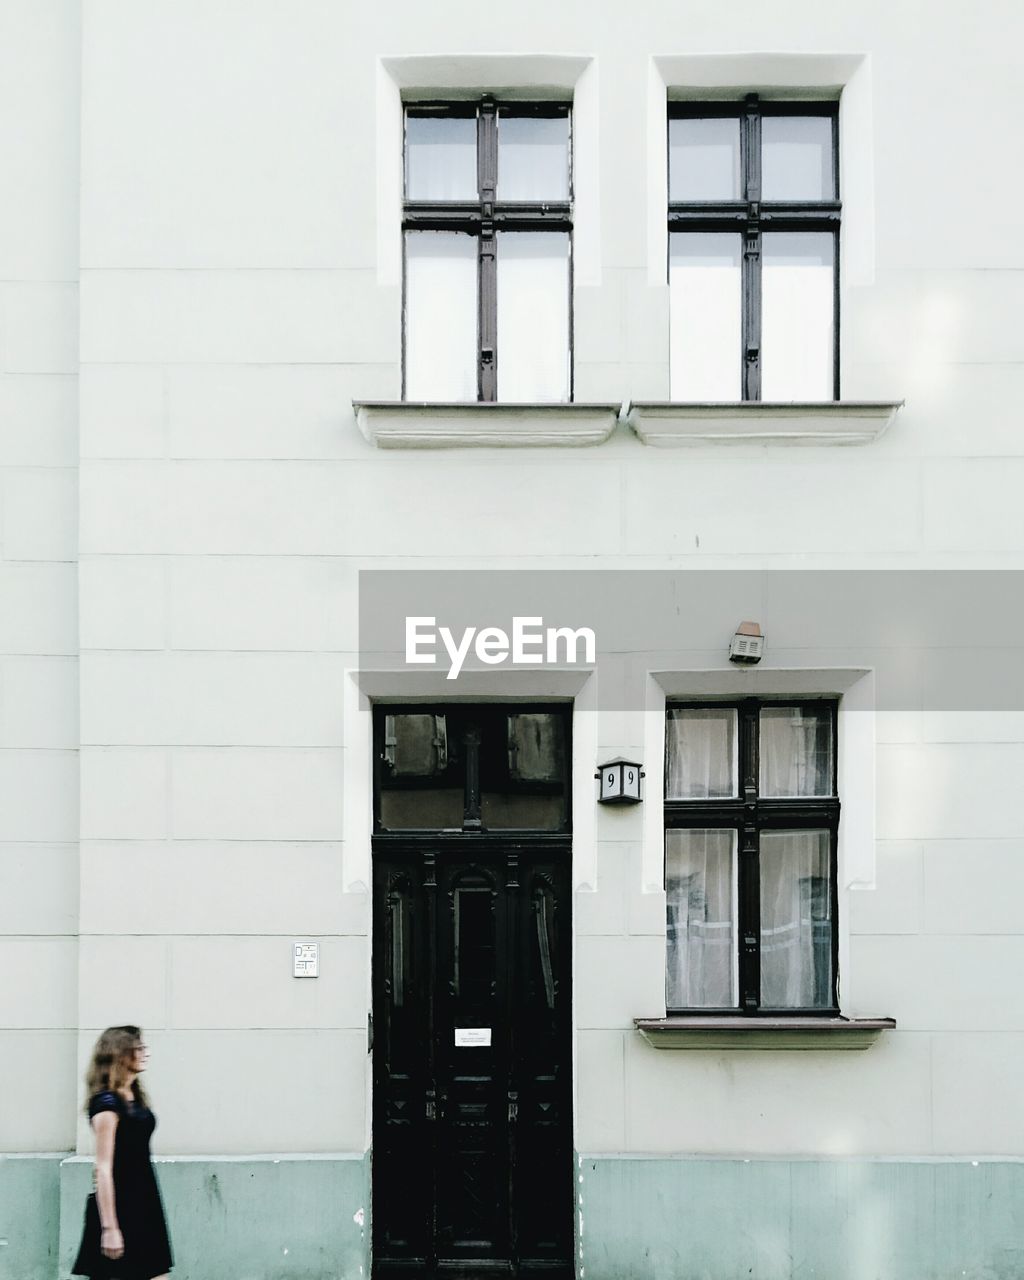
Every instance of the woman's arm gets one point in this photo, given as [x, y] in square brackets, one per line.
[104, 1124]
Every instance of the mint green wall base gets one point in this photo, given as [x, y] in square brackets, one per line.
[258, 1217]
[695, 1219]
[29, 1216]
[295, 1218]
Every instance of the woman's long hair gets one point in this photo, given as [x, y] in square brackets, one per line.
[112, 1062]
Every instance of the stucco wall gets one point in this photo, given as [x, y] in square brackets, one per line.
[235, 297]
[39, 113]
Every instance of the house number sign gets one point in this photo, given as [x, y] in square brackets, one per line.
[620, 781]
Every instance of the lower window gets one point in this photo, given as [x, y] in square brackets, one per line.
[751, 828]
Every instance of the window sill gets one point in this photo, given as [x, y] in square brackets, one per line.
[736, 1032]
[668, 424]
[402, 424]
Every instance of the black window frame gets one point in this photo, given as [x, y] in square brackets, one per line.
[748, 813]
[476, 767]
[484, 218]
[753, 217]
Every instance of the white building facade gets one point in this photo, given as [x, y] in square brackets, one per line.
[649, 320]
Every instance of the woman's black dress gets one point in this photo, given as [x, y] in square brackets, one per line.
[140, 1214]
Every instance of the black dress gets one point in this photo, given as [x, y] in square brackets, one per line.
[140, 1214]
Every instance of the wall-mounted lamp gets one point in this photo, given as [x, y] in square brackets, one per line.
[620, 782]
[747, 645]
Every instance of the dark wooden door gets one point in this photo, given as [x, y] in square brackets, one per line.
[472, 1116]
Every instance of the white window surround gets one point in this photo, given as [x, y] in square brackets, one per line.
[527, 77]
[667, 424]
[408, 424]
[495, 424]
[690, 1031]
[778, 76]
[365, 688]
[846, 76]
[774, 76]
[855, 688]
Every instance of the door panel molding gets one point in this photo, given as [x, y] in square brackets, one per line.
[472, 1142]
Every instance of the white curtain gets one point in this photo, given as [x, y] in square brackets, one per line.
[533, 315]
[705, 284]
[701, 753]
[796, 920]
[440, 158]
[796, 752]
[700, 878]
[440, 315]
[797, 315]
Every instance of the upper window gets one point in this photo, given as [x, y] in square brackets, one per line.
[487, 222]
[751, 825]
[753, 221]
[472, 768]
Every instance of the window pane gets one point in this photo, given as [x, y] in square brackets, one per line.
[796, 752]
[706, 332]
[533, 158]
[797, 283]
[440, 315]
[423, 810]
[415, 746]
[701, 753]
[505, 811]
[796, 158]
[421, 774]
[440, 158]
[525, 787]
[533, 315]
[796, 920]
[704, 159]
[536, 747]
[700, 888]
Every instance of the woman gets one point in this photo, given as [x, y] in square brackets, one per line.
[125, 1234]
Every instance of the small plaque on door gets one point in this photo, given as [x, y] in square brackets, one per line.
[472, 1037]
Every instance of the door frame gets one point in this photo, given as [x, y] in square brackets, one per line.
[364, 690]
[484, 844]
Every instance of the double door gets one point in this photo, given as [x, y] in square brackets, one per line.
[472, 1130]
